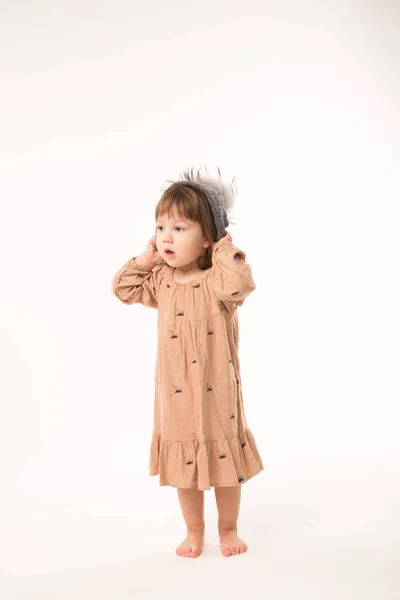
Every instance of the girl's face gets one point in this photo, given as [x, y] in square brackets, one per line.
[185, 238]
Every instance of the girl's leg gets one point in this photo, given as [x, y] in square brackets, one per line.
[192, 505]
[228, 504]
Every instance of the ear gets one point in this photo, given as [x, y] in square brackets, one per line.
[206, 243]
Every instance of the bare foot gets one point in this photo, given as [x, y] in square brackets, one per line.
[230, 543]
[192, 546]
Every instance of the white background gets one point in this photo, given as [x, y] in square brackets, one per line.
[101, 104]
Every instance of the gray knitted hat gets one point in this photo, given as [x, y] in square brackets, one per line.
[220, 196]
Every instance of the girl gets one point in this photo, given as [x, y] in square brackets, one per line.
[196, 278]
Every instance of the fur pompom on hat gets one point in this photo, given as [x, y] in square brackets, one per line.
[220, 195]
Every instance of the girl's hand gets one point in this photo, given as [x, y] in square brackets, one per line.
[150, 257]
[153, 253]
[227, 237]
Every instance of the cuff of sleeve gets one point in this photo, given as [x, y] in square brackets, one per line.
[229, 247]
[223, 243]
[134, 265]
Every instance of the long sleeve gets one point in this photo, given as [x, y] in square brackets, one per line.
[233, 280]
[137, 284]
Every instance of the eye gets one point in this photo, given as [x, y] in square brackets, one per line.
[158, 227]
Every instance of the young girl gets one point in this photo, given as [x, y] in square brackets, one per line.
[196, 278]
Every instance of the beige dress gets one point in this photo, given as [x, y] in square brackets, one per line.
[200, 435]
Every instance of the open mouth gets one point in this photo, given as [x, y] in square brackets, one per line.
[169, 253]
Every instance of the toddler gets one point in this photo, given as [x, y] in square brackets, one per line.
[196, 278]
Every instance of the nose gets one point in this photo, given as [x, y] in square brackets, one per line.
[165, 237]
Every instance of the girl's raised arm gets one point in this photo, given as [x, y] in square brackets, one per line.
[233, 280]
[138, 281]
[134, 283]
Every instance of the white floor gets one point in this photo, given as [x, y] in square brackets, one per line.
[314, 536]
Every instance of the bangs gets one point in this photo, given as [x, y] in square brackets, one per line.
[180, 202]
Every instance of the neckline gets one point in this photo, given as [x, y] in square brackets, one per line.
[187, 284]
